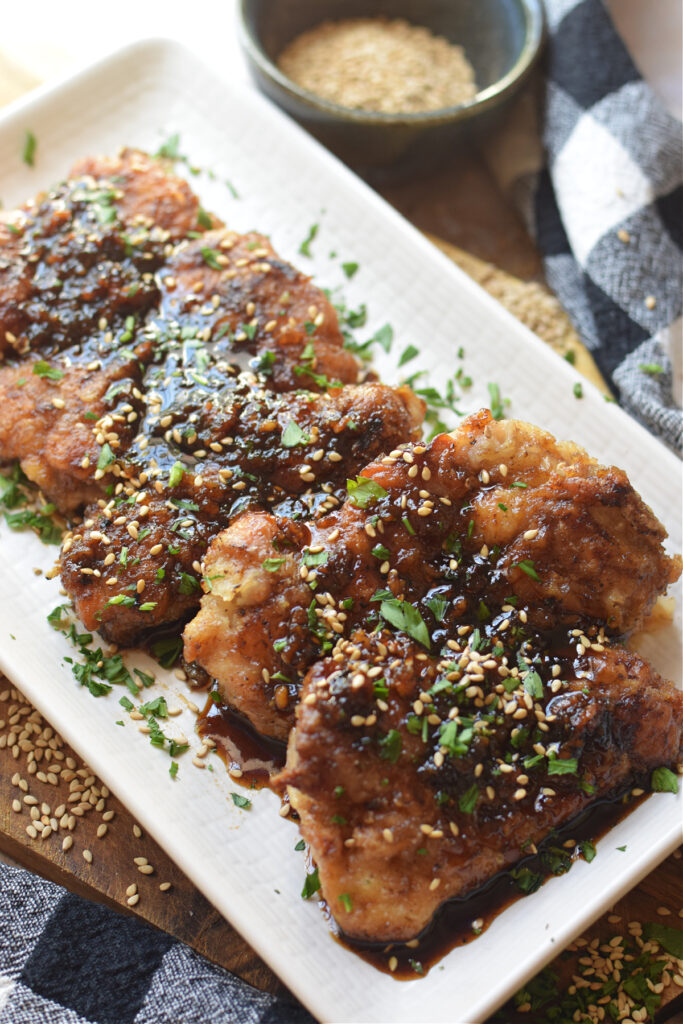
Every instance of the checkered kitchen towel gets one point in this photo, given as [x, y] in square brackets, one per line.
[607, 212]
[64, 960]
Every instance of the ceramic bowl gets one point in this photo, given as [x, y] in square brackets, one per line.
[501, 39]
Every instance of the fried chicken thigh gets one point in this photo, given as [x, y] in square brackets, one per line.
[419, 778]
[439, 621]
[136, 564]
[495, 516]
[169, 373]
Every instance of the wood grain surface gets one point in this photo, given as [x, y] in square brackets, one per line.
[46, 788]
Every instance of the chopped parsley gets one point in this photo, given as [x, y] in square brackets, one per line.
[188, 584]
[272, 564]
[315, 558]
[43, 369]
[497, 403]
[380, 688]
[410, 352]
[241, 801]
[664, 781]
[167, 651]
[293, 435]
[170, 149]
[349, 269]
[577, 390]
[455, 738]
[305, 247]
[437, 606]
[210, 257]
[382, 337]
[390, 746]
[533, 684]
[468, 800]
[29, 152]
[39, 520]
[563, 766]
[106, 457]
[670, 939]
[57, 618]
[176, 475]
[363, 491]
[345, 901]
[527, 566]
[408, 525]
[406, 617]
[311, 885]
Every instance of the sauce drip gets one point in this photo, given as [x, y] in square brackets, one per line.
[239, 746]
[460, 921]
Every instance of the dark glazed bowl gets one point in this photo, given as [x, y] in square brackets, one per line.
[501, 39]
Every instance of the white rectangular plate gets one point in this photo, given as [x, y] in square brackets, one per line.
[245, 862]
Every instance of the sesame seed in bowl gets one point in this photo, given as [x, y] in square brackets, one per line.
[392, 87]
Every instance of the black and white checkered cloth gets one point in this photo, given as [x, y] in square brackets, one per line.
[607, 211]
[64, 960]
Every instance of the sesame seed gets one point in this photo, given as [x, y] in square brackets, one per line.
[87, 856]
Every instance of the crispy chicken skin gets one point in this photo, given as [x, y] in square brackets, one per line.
[76, 276]
[239, 288]
[496, 515]
[151, 195]
[88, 250]
[47, 423]
[127, 318]
[412, 789]
[239, 427]
[243, 613]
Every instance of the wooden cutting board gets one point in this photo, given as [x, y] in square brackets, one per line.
[43, 783]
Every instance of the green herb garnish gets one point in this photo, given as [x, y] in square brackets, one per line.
[241, 801]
